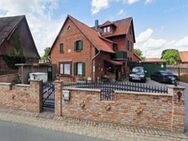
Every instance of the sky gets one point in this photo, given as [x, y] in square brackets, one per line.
[158, 24]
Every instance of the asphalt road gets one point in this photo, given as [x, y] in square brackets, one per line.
[19, 132]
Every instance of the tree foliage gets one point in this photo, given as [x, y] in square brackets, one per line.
[46, 58]
[171, 56]
[15, 55]
[139, 53]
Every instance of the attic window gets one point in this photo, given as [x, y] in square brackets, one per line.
[106, 29]
[68, 28]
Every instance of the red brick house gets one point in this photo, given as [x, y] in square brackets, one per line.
[16, 42]
[80, 51]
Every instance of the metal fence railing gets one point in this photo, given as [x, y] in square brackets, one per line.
[118, 86]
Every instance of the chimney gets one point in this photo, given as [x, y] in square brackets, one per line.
[96, 24]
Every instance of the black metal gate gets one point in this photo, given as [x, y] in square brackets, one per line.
[48, 97]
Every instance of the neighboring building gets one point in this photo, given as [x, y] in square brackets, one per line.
[152, 65]
[153, 60]
[83, 52]
[183, 57]
[16, 42]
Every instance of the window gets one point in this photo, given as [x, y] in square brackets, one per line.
[65, 68]
[78, 45]
[61, 48]
[129, 45]
[79, 68]
[106, 29]
[68, 28]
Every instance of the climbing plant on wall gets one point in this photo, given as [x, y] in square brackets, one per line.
[14, 55]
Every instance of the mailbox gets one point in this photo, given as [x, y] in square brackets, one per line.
[66, 95]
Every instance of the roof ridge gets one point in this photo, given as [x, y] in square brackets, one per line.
[11, 30]
[95, 33]
[117, 20]
[13, 16]
[122, 19]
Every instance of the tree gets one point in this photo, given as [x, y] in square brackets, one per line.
[15, 55]
[46, 58]
[171, 56]
[139, 53]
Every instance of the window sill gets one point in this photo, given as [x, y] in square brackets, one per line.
[78, 50]
[65, 75]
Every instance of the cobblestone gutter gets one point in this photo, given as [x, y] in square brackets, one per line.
[100, 130]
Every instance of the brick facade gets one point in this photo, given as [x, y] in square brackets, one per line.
[96, 49]
[161, 111]
[21, 96]
[68, 38]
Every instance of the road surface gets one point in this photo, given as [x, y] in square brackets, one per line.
[20, 132]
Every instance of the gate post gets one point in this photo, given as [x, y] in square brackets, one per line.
[178, 108]
[36, 89]
[58, 97]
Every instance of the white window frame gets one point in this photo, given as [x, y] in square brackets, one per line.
[65, 68]
[80, 68]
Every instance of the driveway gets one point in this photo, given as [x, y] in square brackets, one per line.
[19, 132]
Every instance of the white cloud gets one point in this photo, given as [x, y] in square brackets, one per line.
[145, 35]
[39, 14]
[154, 43]
[148, 1]
[132, 1]
[153, 47]
[98, 5]
[182, 42]
[121, 12]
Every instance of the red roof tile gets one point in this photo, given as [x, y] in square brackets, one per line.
[122, 26]
[93, 36]
[183, 56]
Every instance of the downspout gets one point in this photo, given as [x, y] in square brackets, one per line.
[93, 63]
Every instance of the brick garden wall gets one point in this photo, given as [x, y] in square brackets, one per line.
[8, 77]
[21, 96]
[163, 111]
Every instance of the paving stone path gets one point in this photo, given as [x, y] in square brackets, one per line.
[98, 130]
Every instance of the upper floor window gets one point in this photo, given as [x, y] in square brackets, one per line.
[68, 28]
[78, 45]
[106, 29]
[129, 45]
[61, 48]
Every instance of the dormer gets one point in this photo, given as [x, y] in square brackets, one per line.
[107, 28]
